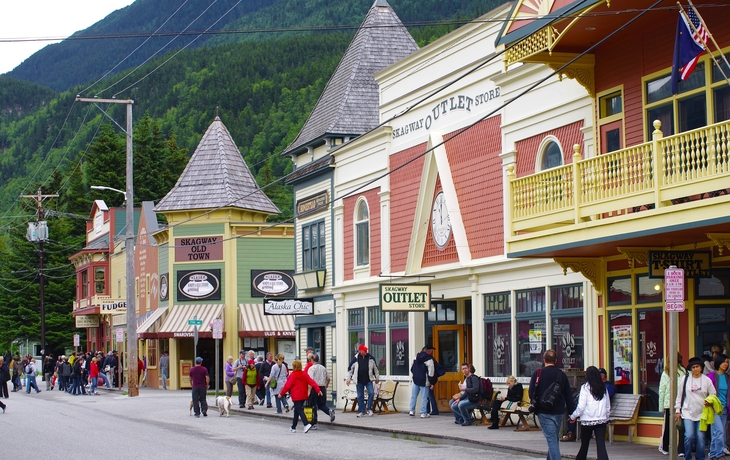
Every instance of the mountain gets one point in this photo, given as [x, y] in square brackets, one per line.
[89, 54]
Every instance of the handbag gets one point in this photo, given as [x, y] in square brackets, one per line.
[232, 380]
[272, 383]
[679, 424]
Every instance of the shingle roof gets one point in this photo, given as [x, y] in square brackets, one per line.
[310, 168]
[216, 176]
[349, 104]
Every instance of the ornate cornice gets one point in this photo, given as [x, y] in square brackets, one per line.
[582, 70]
[721, 240]
[590, 268]
[633, 255]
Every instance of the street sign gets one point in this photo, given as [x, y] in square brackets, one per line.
[120, 335]
[77, 340]
[195, 322]
[674, 306]
[217, 325]
[674, 284]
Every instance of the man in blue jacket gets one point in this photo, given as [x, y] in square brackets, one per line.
[552, 419]
[423, 372]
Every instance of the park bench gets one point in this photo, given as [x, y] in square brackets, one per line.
[484, 406]
[521, 410]
[624, 411]
[386, 396]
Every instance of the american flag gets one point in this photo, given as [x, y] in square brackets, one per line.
[699, 37]
[689, 44]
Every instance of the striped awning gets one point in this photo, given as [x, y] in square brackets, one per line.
[151, 324]
[176, 324]
[255, 324]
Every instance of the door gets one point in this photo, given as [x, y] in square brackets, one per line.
[450, 352]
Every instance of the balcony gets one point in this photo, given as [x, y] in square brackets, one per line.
[661, 193]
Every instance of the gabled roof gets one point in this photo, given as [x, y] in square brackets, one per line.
[216, 176]
[349, 104]
[311, 168]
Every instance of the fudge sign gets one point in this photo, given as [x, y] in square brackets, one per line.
[201, 248]
[199, 284]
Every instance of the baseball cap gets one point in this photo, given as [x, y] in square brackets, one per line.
[251, 361]
[198, 360]
[429, 347]
[242, 352]
[363, 348]
[602, 371]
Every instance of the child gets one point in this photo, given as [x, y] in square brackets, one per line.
[298, 382]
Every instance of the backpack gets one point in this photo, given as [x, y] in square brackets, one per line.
[486, 389]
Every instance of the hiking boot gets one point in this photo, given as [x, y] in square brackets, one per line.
[569, 437]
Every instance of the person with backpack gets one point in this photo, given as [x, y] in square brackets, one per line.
[468, 398]
[423, 372]
[550, 392]
[594, 408]
[30, 372]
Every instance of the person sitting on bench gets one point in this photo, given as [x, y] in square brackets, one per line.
[514, 396]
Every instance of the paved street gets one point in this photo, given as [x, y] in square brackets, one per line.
[157, 424]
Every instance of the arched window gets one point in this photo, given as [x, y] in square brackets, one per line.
[552, 155]
[362, 232]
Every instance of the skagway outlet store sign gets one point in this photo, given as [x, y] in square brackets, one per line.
[199, 284]
[289, 307]
[696, 264]
[272, 282]
[405, 297]
[198, 248]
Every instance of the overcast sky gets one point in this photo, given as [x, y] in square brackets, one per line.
[43, 19]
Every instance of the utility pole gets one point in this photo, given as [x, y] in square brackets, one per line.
[132, 355]
[39, 233]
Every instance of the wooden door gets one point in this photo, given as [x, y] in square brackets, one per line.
[450, 351]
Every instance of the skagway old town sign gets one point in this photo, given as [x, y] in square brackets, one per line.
[405, 297]
[198, 248]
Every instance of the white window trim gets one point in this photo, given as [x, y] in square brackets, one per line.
[542, 150]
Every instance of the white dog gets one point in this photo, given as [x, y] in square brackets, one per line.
[224, 405]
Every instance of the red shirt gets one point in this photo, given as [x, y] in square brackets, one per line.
[297, 382]
[94, 370]
[197, 376]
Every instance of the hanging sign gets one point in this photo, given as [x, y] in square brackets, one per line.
[696, 264]
[199, 284]
[405, 297]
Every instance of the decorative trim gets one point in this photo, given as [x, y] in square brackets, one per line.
[582, 70]
[721, 240]
[634, 255]
[590, 268]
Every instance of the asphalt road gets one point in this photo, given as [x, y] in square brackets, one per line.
[157, 424]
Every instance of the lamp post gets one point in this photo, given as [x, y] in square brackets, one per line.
[132, 389]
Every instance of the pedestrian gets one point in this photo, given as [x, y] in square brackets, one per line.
[364, 370]
[298, 383]
[320, 375]
[265, 373]
[665, 406]
[252, 380]
[720, 381]
[594, 408]
[439, 371]
[66, 374]
[140, 369]
[4, 378]
[514, 396]
[468, 398]
[94, 375]
[164, 368]
[261, 389]
[17, 372]
[230, 376]
[199, 380]
[277, 378]
[100, 368]
[238, 367]
[423, 371]
[48, 365]
[30, 372]
[551, 419]
[692, 390]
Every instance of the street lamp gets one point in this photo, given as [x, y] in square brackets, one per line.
[101, 187]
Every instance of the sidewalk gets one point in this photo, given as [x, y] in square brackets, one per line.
[442, 429]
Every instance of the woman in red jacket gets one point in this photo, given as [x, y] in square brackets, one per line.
[94, 375]
[298, 383]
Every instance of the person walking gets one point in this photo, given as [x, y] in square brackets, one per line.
[298, 383]
[49, 365]
[199, 380]
[252, 379]
[692, 390]
[238, 367]
[720, 381]
[265, 373]
[468, 398]
[164, 368]
[551, 419]
[665, 406]
[320, 375]
[277, 378]
[4, 378]
[594, 408]
[514, 396]
[30, 372]
[17, 372]
[423, 372]
[365, 371]
[230, 376]
[94, 375]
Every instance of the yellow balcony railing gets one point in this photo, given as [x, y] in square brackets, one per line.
[664, 172]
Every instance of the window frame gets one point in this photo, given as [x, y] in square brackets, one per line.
[607, 123]
[362, 247]
[308, 251]
[543, 150]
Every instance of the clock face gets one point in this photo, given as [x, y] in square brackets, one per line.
[440, 222]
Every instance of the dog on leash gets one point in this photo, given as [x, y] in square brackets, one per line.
[224, 405]
[191, 408]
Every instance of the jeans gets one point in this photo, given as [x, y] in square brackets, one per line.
[165, 372]
[361, 396]
[32, 383]
[299, 413]
[199, 401]
[433, 409]
[268, 394]
[105, 379]
[94, 384]
[462, 410]
[693, 435]
[48, 378]
[586, 433]
[718, 435]
[279, 402]
[550, 428]
[241, 392]
[423, 391]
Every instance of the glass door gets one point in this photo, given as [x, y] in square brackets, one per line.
[449, 344]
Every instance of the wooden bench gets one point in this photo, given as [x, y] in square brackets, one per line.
[624, 411]
[521, 410]
[386, 396]
[484, 406]
[350, 396]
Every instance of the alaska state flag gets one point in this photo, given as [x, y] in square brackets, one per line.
[688, 47]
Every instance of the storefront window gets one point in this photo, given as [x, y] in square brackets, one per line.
[498, 326]
[399, 356]
[651, 360]
[152, 353]
[442, 312]
[531, 344]
[649, 289]
[355, 329]
[621, 351]
[377, 336]
[716, 287]
[568, 342]
[531, 300]
[619, 290]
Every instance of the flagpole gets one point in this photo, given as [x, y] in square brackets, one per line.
[709, 34]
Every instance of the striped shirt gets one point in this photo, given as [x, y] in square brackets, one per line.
[319, 374]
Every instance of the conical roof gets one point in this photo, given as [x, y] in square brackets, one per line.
[349, 104]
[216, 176]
